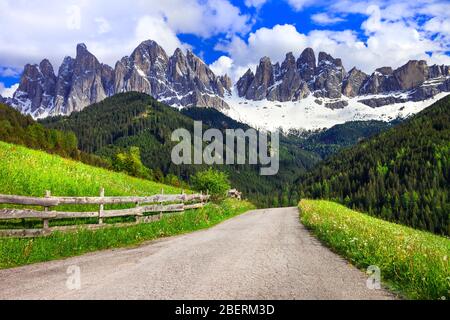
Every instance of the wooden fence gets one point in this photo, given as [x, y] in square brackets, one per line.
[144, 210]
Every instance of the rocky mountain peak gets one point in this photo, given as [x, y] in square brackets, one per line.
[47, 69]
[263, 80]
[182, 80]
[386, 71]
[307, 58]
[353, 82]
[289, 64]
[412, 74]
[148, 53]
[329, 80]
[306, 64]
[245, 82]
[289, 60]
[327, 59]
[37, 85]
[81, 48]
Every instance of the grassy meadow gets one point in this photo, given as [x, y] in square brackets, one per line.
[412, 262]
[30, 173]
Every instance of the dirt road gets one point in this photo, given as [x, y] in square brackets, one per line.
[263, 254]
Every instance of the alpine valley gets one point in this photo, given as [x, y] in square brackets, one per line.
[331, 120]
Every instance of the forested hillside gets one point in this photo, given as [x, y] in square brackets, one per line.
[401, 175]
[19, 129]
[137, 120]
[328, 142]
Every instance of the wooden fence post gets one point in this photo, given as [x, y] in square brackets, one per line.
[139, 219]
[183, 198]
[102, 207]
[161, 203]
[48, 194]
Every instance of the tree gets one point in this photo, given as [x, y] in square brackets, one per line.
[215, 182]
[130, 162]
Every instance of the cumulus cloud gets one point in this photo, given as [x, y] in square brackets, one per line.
[392, 45]
[222, 65]
[274, 43]
[325, 19]
[300, 4]
[255, 3]
[9, 72]
[114, 33]
[390, 40]
[7, 92]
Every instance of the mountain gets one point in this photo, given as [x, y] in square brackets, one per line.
[182, 80]
[400, 175]
[134, 119]
[307, 92]
[294, 79]
[312, 93]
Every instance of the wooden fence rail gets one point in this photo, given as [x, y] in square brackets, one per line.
[162, 203]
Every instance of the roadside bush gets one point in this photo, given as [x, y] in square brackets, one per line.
[215, 182]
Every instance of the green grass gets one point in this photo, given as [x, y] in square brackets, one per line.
[30, 173]
[413, 262]
[16, 252]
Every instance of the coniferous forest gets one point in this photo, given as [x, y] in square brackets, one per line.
[23, 130]
[401, 175]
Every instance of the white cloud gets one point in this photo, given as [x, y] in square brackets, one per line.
[222, 65]
[325, 19]
[110, 28]
[9, 72]
[103, 25]
[300, 4]
[388, 44]
[8, 92]
[274, 43]
[149, 27]
[255, 3]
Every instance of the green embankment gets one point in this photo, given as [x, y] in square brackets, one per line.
[412, 262]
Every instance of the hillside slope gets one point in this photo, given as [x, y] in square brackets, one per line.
[401, 175]
[20, 129]
[29, 172]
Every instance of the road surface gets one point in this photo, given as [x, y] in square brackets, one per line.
[263, 254]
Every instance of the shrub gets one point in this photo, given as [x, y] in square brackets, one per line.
[212, 181]
[130, 162]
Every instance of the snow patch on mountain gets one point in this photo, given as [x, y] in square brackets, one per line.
[311, 113]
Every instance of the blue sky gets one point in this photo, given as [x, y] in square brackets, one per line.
[230, 35]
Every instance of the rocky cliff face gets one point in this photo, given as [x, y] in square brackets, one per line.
[183, 80]
[294, 80]
[36, 89]
[353, 82]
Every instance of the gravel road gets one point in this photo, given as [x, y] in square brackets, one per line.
[263, 254]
